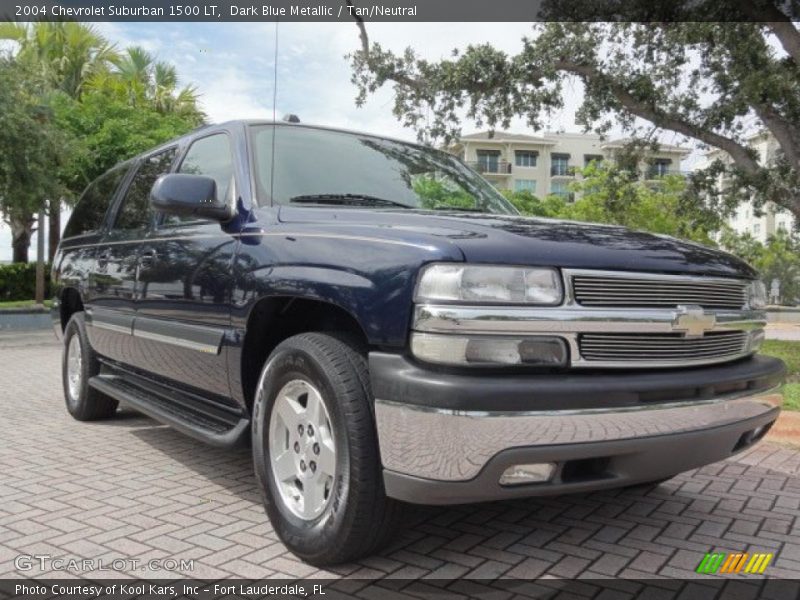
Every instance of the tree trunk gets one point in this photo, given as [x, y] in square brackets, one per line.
[54, 228]
[39, 294]
[21, 231]
[20, 245]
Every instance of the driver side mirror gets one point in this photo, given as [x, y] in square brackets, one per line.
[191, 195]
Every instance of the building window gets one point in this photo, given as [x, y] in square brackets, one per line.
[559, 165]
[782, 226]
[525, 158]
[590, 158]
[561, 188]
[488, 161]
[527, 185]
[659, 168]
[757, 228]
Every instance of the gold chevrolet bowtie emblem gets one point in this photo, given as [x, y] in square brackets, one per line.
[693, 321]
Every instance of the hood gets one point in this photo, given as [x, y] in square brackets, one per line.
[502, 239]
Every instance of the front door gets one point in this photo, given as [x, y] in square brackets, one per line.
[183, 301]
[114, 283]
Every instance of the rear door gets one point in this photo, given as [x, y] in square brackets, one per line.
[183, 303]
[117, 262]
[83, 234]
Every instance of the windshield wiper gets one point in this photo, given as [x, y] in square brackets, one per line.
[459, 208]
[346, 200]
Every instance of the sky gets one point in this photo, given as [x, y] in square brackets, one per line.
[232, 66]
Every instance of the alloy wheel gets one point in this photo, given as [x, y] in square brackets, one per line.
[302, 449]
[74, 368]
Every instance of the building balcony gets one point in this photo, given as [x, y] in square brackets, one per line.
[559, 171]
[659, 173]
[568, 197]
[500, 167]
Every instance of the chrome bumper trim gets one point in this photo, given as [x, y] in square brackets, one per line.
[126, 329]
[450, 445]
[176, 341]
[494, 320]
[568, 322]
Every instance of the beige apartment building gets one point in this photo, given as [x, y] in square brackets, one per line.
[547, 164]
[746, 220]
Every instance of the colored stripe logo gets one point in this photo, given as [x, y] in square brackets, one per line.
[734, 562]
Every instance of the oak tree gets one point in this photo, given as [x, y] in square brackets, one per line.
[713, 71]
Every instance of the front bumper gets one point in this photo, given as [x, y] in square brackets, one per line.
[447, 438]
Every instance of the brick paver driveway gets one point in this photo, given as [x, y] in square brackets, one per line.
[132, 489]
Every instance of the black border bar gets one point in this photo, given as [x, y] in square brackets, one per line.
[399, 10]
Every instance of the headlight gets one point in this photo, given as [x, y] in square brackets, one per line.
[540, 351]
[489, 284]
[756, 295]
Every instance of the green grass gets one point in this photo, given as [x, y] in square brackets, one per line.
[22, 304]
[791, 396]
[788, 352]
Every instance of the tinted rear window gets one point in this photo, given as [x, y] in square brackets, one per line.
[91, 208]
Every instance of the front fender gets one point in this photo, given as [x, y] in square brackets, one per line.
[370, 277]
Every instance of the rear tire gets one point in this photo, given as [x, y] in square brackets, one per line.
[338, 511]
[78, 364]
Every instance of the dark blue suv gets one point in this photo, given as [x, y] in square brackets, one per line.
[384, 328]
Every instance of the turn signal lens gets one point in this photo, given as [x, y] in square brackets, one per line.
[489, 351]
[756, 339]
[757, 295]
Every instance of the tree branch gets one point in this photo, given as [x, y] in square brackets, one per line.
[396, 76]
[789, 37]
[778, 22]
[784, 132]
[738, 152]
[361, 29]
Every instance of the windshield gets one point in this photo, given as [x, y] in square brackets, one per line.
[317, 166]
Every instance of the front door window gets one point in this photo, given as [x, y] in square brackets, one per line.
[135, 213]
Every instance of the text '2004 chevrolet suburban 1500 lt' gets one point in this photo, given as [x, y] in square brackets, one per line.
[385, 328]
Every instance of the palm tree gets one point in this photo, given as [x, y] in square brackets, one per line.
[68, 55]
[145, 80]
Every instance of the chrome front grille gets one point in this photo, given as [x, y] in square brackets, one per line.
[621, 320]
[661, 349]
[640, 291]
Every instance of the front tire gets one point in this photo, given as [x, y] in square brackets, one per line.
[79, 364]
[316, 453]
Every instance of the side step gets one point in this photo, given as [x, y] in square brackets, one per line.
[185, 413]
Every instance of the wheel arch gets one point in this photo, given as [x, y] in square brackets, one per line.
[275, 318]
[70, 302]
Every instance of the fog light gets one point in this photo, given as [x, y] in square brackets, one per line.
[488, 351]
[532, 473]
